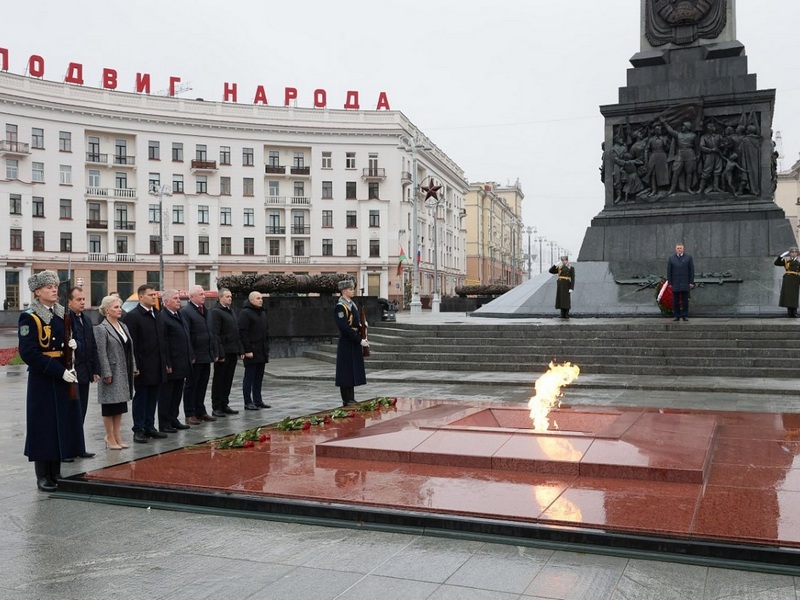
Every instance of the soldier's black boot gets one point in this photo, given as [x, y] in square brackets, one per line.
[43, 480]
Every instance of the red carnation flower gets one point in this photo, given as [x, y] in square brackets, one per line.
[306, 425]
[249, 444]
[264, 437]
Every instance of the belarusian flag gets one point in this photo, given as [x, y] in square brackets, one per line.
[400, 264]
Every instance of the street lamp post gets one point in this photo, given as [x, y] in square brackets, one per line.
[530, 230]
[540, 239]
[160, 191]
[412, 145]
[436, 301]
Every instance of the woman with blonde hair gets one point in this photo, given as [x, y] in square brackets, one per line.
[117, 369]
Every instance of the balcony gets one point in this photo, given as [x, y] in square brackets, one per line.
[405, 177]
[125, 225]
[204, 165]
[14, 148]
[97, 257]
[276, 230]
[96, 224]
[301, 200]
[123, 160]
[126, 258]
[95, 158]
[301, 229]
[374, 174]
[275, 260]
[275, 169]
[300, 170]
[126, 193]
[301, 260]
[97, 192]
[275, 200]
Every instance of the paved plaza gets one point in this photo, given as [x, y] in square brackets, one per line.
[57, 548]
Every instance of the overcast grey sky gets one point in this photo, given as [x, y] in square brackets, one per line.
[509, 89]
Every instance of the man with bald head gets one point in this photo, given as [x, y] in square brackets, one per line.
[196, 317]
[254, 334]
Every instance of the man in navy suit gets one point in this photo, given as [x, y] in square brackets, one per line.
[203, 343]
[680, 274]
[179, 363]
[85, 361]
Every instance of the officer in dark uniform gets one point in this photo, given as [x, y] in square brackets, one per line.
[564, 285]
[790, 287]
[54, 422]
[350, 370]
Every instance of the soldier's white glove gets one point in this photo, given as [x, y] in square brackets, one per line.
[72, 344]
[570, 291]
[364, 344]
[785, 254]
[70, 376]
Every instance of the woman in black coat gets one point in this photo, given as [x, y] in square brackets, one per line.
[254, 334]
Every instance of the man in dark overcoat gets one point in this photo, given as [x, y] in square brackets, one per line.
[680, 275]
[790, 286]
[179, 363]
[54, 426]
[254, 334]
[564, 285]
[350, 370]
[149, 347]
[196, 318]
[225, 329]
[86, 361]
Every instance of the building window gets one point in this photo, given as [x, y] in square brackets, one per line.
[224, 155]
[350, 219]
[65, 208]
[177, 151]
[65, 177]
[153, 181]
[15, 204]
[298, 223]
[122, 244]
[37, 204]
[224, 186]
[274, 158]
[202, 214]
[274, 188]
[66, 242]
[93, 149]
[201, 152]
[93, 176]
[374, 190]
[154, 150]
[95, 246]
[275, 223]
[350, 190]
[124, 283]
[38, 241]
[350, 160]
[12, 169]
[177, 244]
[327, 161]
[327, 218]
[93, 212]
[249, 217]
[155, 244]
[177, 184]
[274, 248]
[225, 217]
[247, 186]
[37, 172]
[177, 213]
[120, 152]
[98, 282]
[374, 248]
[299, 189]
[202, 184]
[327, 190]
[327, 247]
[202, 244]
[247, 157]
[153, 213]
[65, 141]
[299, 248]
[121, 181]
[37, 138]
[225, 246]
[249, 246]
[374, 218]
[15, 239]
[299, 160]
[352, 248]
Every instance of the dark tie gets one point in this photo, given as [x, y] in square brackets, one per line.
[202, 310]
[152, 314]
[52, 312]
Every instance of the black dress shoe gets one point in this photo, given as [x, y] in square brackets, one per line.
[45, 485]
[155, 434]
[179, 425]
[262, 405]
[86, 455]
[685, 319]
[229, 411]
[140, 437]
[207, 418]
[67, 460]
[219, 413]
[250, 407]
[676, 319]
[167, 429]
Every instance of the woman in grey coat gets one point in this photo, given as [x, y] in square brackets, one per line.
[117, 369]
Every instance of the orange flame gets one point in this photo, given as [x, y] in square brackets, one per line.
[548, 391]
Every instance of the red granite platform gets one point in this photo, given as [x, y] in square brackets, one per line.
[688, 474]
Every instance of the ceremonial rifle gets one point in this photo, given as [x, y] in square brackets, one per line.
[362, 326]
[69, 353]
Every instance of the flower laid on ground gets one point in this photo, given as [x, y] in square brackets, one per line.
[664, 297]
[305, 423]
[376, 404]
[245, 439]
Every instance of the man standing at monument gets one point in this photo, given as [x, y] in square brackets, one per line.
[179, 361]
[225, 328]
[684, 164]
[254, 334]
[350, 370]
[196, 318]
[680, 275]
[564, 285]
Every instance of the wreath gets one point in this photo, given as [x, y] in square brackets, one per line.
[664, 297]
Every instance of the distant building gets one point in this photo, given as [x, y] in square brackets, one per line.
[494, 234]
[787, 196]
[254, 189]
